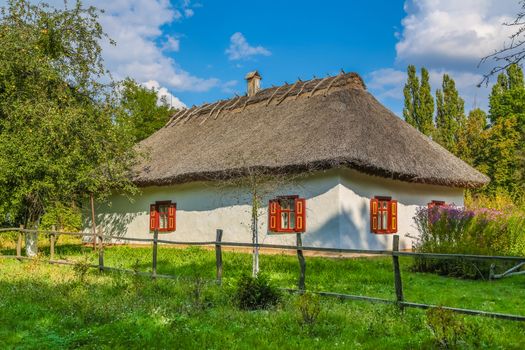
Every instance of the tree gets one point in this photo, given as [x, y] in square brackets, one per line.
[411, 93]
[506, 141]
[450, 116]
[419, 103]
[425, 110]
[58, 139]
[472, 141]
[143, 113]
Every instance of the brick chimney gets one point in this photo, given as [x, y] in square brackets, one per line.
[254, 82]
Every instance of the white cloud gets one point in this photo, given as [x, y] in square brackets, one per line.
[453, 34]
[387, 83]
[447, 36]
[171, 44]
[240, 48]
[136, 54]
[163, 92]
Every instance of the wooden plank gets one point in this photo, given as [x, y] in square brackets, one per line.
[398, 285]
[100, 250]
[218, 256]
[93, 223]
[52, 239]
[155, 247]
[19, 242]
[302, 263]
[460, 256]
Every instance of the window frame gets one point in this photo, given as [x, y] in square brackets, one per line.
[296, 201]
[391, 215]
[169, 204]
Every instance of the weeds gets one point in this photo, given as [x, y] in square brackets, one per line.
[255, 293]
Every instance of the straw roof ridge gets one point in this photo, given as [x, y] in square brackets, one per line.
[318, 124]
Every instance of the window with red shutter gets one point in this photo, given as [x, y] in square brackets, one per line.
[287, 214]
[163, 216]
[273, 215]
[383, 215]
[152, 217]
[300, 215]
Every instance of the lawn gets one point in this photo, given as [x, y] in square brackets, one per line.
[45, 306]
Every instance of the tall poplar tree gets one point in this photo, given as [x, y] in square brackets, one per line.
[419, 103]
[425, 110]
[450, 115]
[411, 93]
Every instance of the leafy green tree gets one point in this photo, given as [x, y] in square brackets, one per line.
[472, 140]
[58, 139]
[419, 103]
[506, 142]
[143, 113]
[450, 116]
[425, 110]
[411, 93]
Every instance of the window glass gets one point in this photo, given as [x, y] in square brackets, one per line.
[163, 216]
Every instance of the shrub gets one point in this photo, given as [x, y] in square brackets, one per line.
[254, 293]
[309, 306]
[447, 328]
[458, 230]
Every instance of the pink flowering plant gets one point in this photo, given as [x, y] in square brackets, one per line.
[459, 230]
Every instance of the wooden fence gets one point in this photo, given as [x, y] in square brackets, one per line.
[299, 248]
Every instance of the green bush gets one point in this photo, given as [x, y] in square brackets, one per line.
[457, 230]
[309, 306]
[254, 293]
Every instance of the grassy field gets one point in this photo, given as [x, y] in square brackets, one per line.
[54, 307]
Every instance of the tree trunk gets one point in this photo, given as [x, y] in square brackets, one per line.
[32, 241]
[255, 236]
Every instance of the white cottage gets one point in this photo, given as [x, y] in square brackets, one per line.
[346, 171]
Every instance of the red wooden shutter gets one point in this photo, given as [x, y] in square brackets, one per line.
[374, 204]
[273, 215]
[300, 215]
[152, 217]
[171, 216]
[392, 211]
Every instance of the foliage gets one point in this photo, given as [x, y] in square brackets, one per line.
[63, 218]
[450, 115]
[446, 327]
[58, 139]
[419, 103]
[255, 293]
[81, 268]
[309, 305]
[142, 111]
[459, 230]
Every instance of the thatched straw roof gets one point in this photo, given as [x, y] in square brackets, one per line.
[308, 125]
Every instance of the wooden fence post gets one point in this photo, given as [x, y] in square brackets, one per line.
[52, 239]
[302, 263]
[218, 255]
[19, 243]
[155, 244]
[100, 250]
[397, 272]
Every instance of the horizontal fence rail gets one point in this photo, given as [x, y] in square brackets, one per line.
[299, 248]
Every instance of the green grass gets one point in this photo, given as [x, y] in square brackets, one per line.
[50, 307]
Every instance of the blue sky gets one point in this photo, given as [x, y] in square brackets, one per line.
[197, 51]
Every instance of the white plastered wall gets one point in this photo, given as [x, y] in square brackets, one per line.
[337, 210]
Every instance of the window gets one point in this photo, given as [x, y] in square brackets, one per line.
[383, 215]
[162, 216]
[434, 204]
[287, 214]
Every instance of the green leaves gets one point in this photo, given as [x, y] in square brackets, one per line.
[58, 138]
